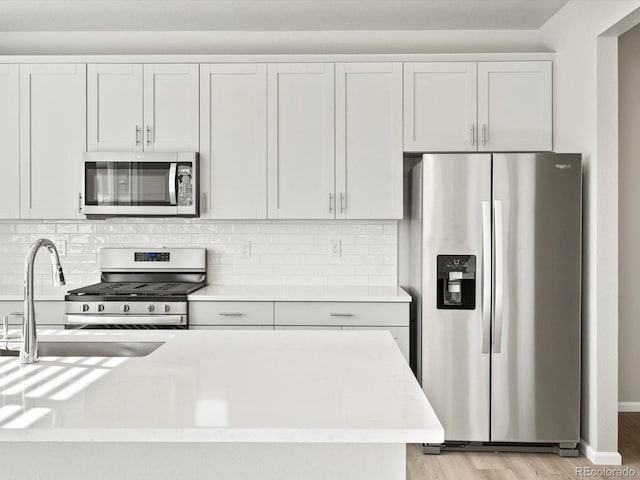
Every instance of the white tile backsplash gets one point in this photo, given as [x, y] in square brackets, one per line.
[283, 252]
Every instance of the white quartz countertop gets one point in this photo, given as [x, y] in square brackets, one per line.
[347, 293]
[15, 293]
[233, 293]
[222, 386]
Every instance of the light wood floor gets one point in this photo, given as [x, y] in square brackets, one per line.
[520, 466]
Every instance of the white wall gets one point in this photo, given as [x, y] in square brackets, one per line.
[629, 220]
[431, 41]
[585, 81]
[282, 252]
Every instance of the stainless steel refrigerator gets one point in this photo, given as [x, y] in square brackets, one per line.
[495, 267]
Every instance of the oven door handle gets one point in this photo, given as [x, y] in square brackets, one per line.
[126, 320]
[173, 172]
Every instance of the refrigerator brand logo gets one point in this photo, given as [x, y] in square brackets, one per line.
[563, 166]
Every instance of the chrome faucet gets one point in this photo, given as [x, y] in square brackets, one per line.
[29, 348]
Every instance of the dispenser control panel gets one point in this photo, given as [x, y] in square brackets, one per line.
[456, 282]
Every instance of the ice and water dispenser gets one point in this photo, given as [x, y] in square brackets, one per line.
[456, 282]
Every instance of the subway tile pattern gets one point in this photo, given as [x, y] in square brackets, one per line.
[283, 252]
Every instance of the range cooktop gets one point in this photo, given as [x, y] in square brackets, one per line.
[138, 288]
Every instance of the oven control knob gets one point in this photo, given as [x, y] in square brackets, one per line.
[100, 308]
[167, 308]
[85, 307]
[150, 308]
[124, 308]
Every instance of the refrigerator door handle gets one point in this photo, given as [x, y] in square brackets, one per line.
[499, 276]
[486, 277]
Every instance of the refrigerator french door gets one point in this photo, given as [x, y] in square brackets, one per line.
[499, 301]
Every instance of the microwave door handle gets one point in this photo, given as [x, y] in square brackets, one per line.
[173, 169]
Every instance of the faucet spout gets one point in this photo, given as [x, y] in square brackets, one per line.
[29, 348]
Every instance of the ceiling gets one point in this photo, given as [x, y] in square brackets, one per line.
[273, 15]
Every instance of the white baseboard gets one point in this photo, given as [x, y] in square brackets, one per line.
[629, 406]
[599, 458]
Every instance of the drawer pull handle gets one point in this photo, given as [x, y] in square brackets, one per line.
[341, 314]
[231, 314]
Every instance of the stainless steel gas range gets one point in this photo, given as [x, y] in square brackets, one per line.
[139, 288]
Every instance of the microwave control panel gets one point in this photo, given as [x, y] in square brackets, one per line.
[185, 185]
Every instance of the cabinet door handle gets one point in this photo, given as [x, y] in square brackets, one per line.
[473, 134]
[341, 314]
[342, 202]
[330, 202]
[484, 133]
[79, 203]
[137, 134]
[231, 314]
[148, 135]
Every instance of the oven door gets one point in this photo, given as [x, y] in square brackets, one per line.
[139, 184]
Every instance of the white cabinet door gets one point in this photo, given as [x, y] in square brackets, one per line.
[368, 140]
[301, 141]
[440, 100]
[114, 107]
[10, 141]
[53, 130]
[171, 108]
[514, 106]
[233, 152]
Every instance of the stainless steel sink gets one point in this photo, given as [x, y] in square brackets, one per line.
[87, 349]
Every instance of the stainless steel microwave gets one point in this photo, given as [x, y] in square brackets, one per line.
[140, 184]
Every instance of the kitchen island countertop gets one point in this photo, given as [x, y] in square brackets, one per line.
[260, 386]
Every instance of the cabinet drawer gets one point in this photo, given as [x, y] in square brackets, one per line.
[231, 313]
[230, 327]
[308, 327]
[342, 314]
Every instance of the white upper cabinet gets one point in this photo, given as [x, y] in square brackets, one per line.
[233, 151]
[9, 141]
[301, 141]
[114, 109]
[440, 105]
[53, 128]
[134, 107]
[171, 108]
[477, 106]
[368, 140]
[514, 106]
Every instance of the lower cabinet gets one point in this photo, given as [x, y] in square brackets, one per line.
[231, 327]
[392, 317]
[307, 316]
[230, 314]
[49, 314]
[342, 313]
[306, 327]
